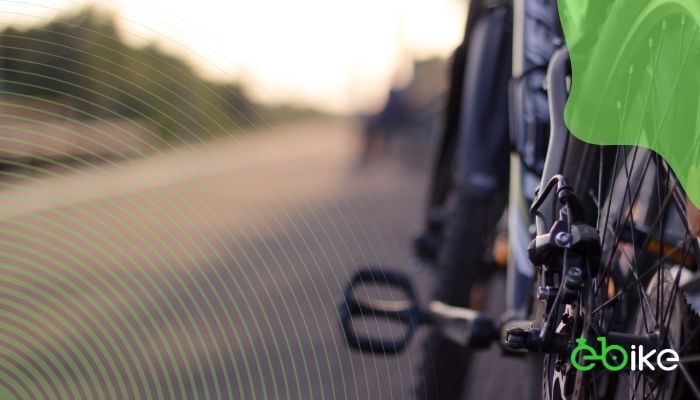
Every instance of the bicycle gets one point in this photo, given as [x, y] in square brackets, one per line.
[604, 246]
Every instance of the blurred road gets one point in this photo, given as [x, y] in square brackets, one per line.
[208, 271]
[211, 271]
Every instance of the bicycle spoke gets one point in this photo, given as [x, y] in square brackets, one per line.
[635, 236]
[684, 372]
[633, 283]
[620, 211]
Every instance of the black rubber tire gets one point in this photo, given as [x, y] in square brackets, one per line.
[469, 231]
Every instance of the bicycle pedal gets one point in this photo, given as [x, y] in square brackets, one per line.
[404, 311]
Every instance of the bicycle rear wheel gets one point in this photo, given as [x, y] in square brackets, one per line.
[640, 210]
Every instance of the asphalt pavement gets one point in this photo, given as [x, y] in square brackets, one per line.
[210, 271]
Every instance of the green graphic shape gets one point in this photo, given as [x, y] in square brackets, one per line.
[636, 78]
[613, 357]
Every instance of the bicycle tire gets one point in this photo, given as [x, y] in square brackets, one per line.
[460, 267]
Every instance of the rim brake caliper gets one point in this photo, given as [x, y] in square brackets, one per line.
[568, 255]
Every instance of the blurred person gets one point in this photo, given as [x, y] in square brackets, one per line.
[377, 128]
[409, 114]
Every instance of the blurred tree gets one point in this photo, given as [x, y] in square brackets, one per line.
[79, 59]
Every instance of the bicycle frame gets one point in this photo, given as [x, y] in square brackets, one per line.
[529, 131]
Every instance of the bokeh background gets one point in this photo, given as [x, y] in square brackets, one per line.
[186, 186]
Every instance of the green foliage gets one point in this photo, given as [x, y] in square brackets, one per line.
[80, 60]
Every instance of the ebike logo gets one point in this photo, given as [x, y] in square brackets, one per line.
[615, 358]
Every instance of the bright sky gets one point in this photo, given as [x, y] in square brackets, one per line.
[339, 55]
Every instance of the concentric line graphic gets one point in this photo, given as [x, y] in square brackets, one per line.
[163, 235]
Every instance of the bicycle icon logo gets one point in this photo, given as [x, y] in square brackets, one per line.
[614, 357]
